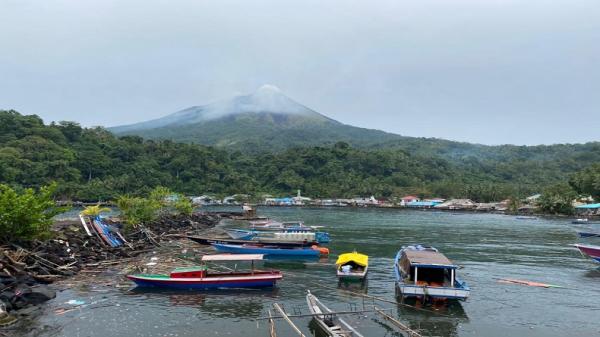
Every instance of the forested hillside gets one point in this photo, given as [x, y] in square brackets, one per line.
[92, 164]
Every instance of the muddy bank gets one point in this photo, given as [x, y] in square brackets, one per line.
[26, 269]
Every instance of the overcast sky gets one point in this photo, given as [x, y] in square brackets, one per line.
[485, 71]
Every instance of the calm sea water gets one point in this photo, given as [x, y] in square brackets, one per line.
[487, 246]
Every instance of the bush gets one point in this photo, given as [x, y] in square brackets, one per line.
[27, 215]
[136, 211]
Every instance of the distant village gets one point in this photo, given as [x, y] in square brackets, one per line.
[526, 206]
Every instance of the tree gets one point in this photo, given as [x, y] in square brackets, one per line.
[557, 199]
[27, 215]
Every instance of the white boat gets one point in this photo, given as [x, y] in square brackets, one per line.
[423, 272]
[328, 321]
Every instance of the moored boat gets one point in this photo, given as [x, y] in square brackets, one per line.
[328, 321]
[283, 236]
[589, 234]
[581, 221]
[590, 250]
[352, 266]
[288, 244]
[297, 226]
[201, 277]
[423, 272]
[269, 250]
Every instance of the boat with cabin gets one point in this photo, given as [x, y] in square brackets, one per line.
[352, 266]
[423, 272]
[201, 277]
[271, 250]
[590, 251]
[327, 320]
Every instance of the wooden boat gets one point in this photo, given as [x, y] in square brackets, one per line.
[108, 235]
[525, 217]
[329, 322]
[202, 278]
[352, 266]
[423, 272]
[283, 236]
[314, 251]
[288, 244]
[589, 250]
[582, 221]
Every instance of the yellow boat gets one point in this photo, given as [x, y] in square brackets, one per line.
[352, 266]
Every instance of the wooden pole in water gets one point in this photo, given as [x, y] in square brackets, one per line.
[397, 323]
[272, 324]
[285, 316]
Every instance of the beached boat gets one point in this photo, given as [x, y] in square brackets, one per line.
[352, 266]
[589, 250]
[270, 250]
[425, 273]
[201, 277]
[288, 244]
[283, 236]
[328, 321]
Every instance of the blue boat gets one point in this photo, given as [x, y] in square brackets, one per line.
[268, 250]
[424, 273]
[589, 234]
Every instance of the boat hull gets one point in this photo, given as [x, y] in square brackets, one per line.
[413, 291]
[591, 251]
[352, 276]
[243, 249]
[207, 283]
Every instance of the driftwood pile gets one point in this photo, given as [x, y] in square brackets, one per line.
[25, 267]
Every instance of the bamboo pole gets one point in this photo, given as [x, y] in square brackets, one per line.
[272, 324]
[313, 315]
[398, 324]
[285, 316]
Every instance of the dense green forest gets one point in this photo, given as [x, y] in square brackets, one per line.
[93, 164]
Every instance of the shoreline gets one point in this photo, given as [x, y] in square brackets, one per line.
[71, 254]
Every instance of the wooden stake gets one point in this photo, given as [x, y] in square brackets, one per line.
[285, 316]
[398, 324]
[272, 324]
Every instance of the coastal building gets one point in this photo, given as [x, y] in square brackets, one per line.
[457, 204]
[287, 201]
[299, 200]
[589, 209]
[423, 204]
[408, 199]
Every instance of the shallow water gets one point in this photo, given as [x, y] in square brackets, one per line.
[487, 246]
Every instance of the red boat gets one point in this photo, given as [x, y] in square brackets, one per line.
[589, 250]
[201, 277]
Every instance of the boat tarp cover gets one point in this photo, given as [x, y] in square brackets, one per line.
[232, 257]
[359, 259]
[427, 258]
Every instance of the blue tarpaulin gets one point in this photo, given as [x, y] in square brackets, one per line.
[589, 206]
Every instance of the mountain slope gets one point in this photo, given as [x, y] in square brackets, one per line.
[266, 120]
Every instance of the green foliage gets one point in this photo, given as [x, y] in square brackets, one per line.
[137, 211]
[182, 205]
[95, 210]
[27, 214]
[587, 182]
[93, 164]
[557, 199]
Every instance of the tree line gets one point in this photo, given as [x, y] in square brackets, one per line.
[90, 164]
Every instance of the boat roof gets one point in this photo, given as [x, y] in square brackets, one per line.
[360, 259]
[428, 258]
[232, 257]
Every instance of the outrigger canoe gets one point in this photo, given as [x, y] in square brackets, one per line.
[328, 321]
[201, 277]
[352, 266]
[278, 236]
[209, 241]
[424, 273]
[314, 251]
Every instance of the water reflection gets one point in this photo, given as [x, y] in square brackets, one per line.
[438, 319]
[358, 286]
[225, 303]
